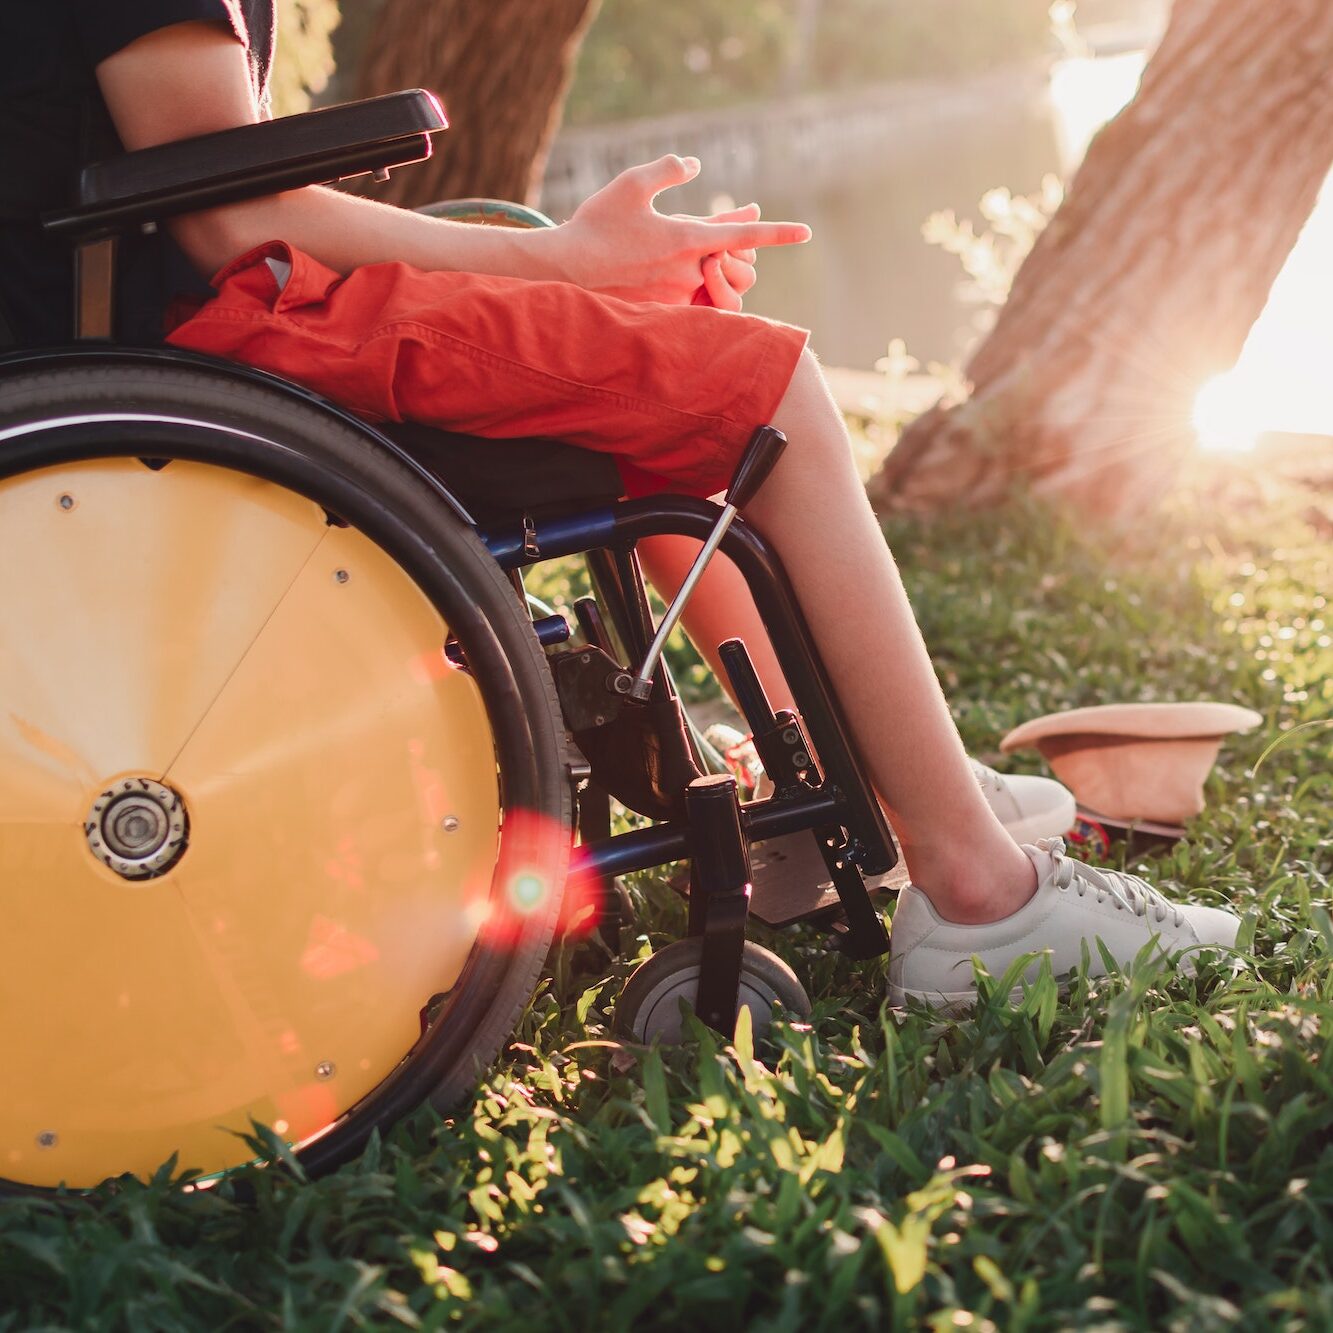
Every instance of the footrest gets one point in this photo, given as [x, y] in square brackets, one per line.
[791, 882]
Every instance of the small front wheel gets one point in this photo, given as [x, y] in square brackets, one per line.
[649, 1007]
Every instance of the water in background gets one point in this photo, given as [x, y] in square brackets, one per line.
[872, 277]
[868, 276]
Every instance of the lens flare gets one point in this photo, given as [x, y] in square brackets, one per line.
[527, 891]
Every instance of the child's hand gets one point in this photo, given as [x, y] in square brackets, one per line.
[729, 274]
[619, 244]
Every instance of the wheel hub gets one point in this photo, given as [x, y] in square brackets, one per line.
[138, 828]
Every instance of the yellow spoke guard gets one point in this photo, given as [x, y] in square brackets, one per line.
[248, 818]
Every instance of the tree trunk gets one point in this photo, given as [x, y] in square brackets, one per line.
[1149, 277]
[501, 68]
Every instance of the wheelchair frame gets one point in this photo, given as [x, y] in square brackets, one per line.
[820, 783]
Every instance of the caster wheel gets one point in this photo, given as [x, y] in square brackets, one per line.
[649, 1007]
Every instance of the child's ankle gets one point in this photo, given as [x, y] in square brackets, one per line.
[975, 889]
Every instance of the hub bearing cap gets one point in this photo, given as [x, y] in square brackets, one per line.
[138, 828]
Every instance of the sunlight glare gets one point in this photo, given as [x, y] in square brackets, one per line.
[1282, 374]
[1281, 381]
[1226, 417]
[1086, 93]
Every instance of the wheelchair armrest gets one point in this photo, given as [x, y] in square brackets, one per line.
[313, 148]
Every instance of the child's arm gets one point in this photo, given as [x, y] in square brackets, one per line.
[193, 78]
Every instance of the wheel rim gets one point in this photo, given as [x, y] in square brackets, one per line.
[658, 1017]
[649, 1009]
[211, 632]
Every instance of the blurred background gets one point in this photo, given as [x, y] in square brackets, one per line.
[926, 143]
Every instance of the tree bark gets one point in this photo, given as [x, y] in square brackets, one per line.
[1149, 277]
[501, 68]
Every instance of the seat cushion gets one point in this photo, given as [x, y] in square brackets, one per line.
[496, 479]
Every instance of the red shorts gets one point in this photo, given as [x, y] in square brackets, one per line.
[673, 391]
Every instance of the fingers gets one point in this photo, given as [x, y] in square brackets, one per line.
[652, 178]
[739, 273]
[719, 290]
[750, 213]
[736, 236]
[746, 213]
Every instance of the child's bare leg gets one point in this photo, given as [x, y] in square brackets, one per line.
[814, 510]
[720, 609]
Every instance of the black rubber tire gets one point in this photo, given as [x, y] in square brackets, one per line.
[291, 439]
[649, 1007]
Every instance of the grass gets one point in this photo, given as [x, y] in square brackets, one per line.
[1154, 1152]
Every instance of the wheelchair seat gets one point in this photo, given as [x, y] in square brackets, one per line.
[496, 479]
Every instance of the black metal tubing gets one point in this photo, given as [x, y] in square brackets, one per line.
[563, 534]
[746, 687]
[646, 848]
[631, 520]
[866, 936]
[612, 603]
[638, 614]
[719, 895]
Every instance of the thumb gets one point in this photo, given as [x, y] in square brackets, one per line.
[654, 177]
[746, 213]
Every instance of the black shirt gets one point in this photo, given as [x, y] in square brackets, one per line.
[53, 121]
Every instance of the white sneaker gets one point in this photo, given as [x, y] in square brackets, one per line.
[930, 959]
[1030, 808]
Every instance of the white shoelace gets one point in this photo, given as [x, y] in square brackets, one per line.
[1124, 889]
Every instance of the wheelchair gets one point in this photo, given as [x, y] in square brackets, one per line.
[293, 780]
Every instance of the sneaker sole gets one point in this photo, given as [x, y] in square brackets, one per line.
[954, 1004]
[948, 1004]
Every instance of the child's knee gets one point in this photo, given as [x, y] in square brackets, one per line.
[808, 392]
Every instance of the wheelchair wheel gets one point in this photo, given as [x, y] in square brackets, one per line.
[488, 213]
[266, 855]
[649, 1007]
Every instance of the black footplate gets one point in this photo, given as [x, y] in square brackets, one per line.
[792, 883]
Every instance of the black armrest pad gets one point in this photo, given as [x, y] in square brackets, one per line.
[309, 149]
